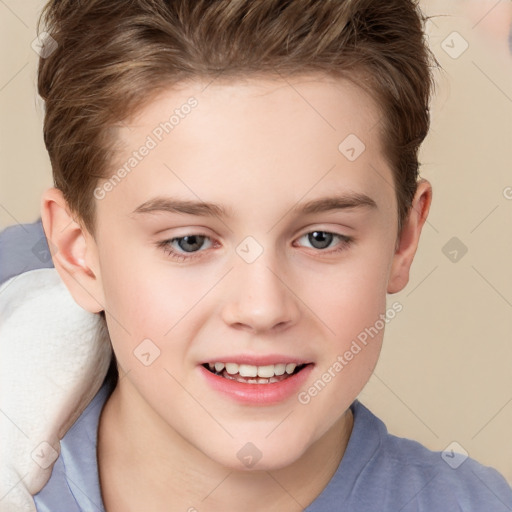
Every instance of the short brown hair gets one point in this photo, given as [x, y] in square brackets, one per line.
[112, 55]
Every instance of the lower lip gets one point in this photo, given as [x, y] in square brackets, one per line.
[257, 394]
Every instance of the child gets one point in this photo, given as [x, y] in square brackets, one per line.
[279, 139]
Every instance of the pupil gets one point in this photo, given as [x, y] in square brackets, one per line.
[194, 238]
[322, 237]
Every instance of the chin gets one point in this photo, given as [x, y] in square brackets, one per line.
[258, 455]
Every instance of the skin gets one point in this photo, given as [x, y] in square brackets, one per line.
[492, 19]
[167, 441]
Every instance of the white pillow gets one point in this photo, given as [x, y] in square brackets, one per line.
[54, 356]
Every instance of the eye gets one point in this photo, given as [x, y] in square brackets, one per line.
[187, 248]
[183, 247]
[322, 239]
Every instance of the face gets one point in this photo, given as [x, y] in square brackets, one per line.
[284, 272]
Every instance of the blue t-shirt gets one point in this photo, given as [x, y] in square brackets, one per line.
[23, 247]
[379, 472]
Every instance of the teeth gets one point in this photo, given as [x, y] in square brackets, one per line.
[232, 368]
[279, 369]
[252, 381]
[266, 371]
[249, 370]
[290, 368]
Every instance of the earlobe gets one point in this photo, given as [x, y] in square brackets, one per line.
[409, 238]
[74, 251]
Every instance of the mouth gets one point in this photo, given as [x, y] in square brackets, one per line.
[251, 374]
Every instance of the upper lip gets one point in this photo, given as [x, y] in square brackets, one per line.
[255, 360]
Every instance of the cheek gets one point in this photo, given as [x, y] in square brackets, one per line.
[355, 294]
[354, 309]
[136, 305]
[147, 299]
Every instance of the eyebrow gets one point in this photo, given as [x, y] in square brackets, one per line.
[208, 209]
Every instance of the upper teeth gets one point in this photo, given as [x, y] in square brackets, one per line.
[248, 370]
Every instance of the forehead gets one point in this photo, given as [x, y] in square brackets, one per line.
[256, 137]
[325, 103]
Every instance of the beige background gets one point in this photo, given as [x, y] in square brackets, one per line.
[445, 373]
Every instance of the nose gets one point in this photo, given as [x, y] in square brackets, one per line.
[260, 298]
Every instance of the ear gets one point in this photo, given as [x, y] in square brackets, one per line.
[409, 237]
[74, 251]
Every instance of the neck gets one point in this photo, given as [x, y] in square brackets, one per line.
[146, 465]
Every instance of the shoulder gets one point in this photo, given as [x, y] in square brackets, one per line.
[422, 479]
[74, 482]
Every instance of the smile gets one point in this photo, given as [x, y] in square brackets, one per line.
[251, 374]
[256, 384]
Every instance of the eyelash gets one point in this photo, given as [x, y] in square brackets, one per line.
[165, 245]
